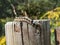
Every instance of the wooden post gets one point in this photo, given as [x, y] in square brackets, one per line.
[23, 33]
[57, 36]
[9, 33]
[44, 36]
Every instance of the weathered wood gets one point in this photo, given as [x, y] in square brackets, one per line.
[23, 33]
[18, 34]
[13, 37]
[58, 36]
[44, 32]
[32, 38]
[9, 33]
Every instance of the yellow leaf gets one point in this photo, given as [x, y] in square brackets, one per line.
[52, 30]
[3, 40]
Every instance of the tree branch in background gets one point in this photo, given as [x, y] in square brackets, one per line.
[14, 11]
[24, 13]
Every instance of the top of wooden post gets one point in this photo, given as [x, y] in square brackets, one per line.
[23, 19]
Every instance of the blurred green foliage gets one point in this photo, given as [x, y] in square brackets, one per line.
[2, 23]
[32, 7]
